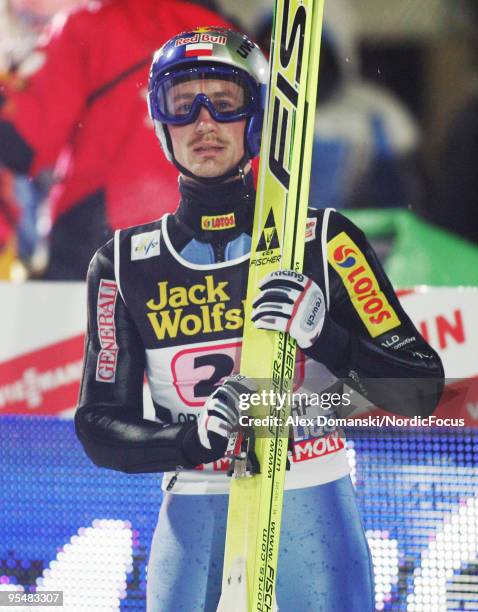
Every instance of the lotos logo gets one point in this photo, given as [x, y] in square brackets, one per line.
[365, 294]
[218, 222]
[343, 256]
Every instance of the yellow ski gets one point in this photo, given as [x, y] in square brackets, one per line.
[255, 503]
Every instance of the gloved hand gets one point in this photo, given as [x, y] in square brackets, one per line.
[221, 411]
[290, 302]
[220, 415]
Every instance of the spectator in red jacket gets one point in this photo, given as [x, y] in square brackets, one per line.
[84, 112]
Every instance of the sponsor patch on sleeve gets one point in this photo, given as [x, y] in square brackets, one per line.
[361, 284]
[310, 228]
[105, 314]
[144, 246]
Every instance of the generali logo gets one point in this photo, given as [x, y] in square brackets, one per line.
[105, 312]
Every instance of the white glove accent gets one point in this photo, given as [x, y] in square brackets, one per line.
[221, 410]
[290, 302]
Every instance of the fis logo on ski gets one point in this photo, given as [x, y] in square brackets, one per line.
[362, 286]
[202, 308]
[285, 104]
[218, 222]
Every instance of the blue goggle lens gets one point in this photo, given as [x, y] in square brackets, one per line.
[227, 96]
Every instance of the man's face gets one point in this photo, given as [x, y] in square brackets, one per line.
[206, 147]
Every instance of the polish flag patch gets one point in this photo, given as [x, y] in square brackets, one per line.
[198, 49]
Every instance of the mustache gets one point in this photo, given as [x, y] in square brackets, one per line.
[194, 142]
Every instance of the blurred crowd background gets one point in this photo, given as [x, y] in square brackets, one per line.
[396, 134]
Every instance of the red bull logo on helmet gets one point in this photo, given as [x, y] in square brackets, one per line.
[203, 37]
[361, 284]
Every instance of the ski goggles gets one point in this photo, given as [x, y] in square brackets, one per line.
[227, 93]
